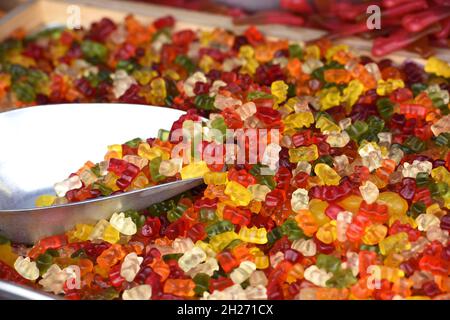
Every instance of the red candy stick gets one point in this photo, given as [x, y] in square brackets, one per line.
[419, 21]
[398, 40]
[445, 30]
[405, 8]
[394, 3]
[271, 17]
[351, 11]
[301, 6]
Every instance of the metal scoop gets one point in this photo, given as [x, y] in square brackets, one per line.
[14, 291]
[43, 145]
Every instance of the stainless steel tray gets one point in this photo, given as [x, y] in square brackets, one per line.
[43, 145]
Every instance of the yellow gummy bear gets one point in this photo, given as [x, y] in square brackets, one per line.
[220, 207]
[386, 87]
[290, 104]
[149, 58]
[194, 170]
[238, 193]
[206, 63]
[351, 94]
[246, 52]
[328, 176]
[326, 125]
[253, 235]
[447, 200]
[391, 274]
[329, 98]
[298, 120]
[144, 76]
[150, 153]
[220, 241]
[216, 178]
[307, 154]
[261, 260]
[317, 209]
[70, 237]
[110, 181]
[28, 62]
[172, 74]
[44, 200]
[250, 66]
[312, 52]
[259, 191]
[206, 37]
[394, 243]
[438, 67]
[395, 203]
[334, 49]
[434, 209]
[351, 203]
[255, 251]
[327, 233]
[441, 174]
[279, 90]
[205, 247]
[374, 233]
[393, 260]
[7, 255]
[111, 234]
[114, 151]
[82, 231]
[139, 182]
[158, 91]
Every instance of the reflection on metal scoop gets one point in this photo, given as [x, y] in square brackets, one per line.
[14, 291]
[42, 145]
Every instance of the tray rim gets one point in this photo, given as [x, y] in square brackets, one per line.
[190, 18]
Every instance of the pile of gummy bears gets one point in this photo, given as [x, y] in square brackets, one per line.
[355, 208]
